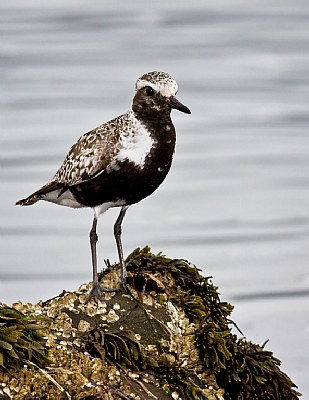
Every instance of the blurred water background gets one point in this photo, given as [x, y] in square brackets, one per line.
[236, 200]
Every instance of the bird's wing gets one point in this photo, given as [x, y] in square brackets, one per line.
[90, 155]
[93, 153]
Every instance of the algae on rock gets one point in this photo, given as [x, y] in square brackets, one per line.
[168, 336]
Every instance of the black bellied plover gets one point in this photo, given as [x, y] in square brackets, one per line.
[119, 163]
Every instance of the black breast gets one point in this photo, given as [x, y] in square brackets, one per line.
[129, 182]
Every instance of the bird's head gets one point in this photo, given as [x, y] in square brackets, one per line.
[155, 93]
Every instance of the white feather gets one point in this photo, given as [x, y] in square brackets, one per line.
[135, 146]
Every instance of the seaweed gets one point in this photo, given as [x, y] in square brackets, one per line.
[119, 348]
[168, 335]
[20, 340]
[184, 380]
[243, 369]
[253, 373]
[123, 350]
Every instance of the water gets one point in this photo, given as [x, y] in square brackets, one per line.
[236, 200]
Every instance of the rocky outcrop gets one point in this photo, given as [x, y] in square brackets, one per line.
[166, 336]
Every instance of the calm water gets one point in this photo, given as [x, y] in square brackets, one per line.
[236, 200]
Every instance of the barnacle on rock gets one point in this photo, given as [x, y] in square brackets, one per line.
[245, 370]
[167, 336]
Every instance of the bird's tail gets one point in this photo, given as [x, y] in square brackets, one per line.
[28, 201]
[41, 193]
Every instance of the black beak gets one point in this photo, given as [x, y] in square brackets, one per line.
[179, 106]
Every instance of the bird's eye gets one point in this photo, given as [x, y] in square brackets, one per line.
[149, 91]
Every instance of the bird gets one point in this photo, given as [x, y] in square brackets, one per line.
[119, 163]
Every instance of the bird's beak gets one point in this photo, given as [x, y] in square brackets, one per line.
[179, 106]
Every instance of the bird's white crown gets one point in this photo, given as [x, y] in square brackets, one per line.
[161, 82]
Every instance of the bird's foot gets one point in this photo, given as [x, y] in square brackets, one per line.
[97, 291]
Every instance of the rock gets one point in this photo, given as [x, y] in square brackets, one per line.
[168, 336]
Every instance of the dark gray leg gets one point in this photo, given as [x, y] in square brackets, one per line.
[117, 233]
[97, 289]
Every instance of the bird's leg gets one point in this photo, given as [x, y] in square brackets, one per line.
[117, 233]
[97, 289]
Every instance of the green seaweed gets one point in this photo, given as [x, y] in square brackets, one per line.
[20, 340]
[178, 378]
[198, 362]
[243, 369]
[123, 350]
[253, 373]
[119, 348]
